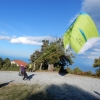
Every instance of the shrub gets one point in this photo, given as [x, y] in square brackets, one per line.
[89, 73]
[98, 72]
[69, 70]
[77, 71]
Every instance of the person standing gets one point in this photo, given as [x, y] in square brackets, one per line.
[22, 69]
[25, 75]
[30, 67]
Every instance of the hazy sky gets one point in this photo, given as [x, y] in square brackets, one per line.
[24, 23]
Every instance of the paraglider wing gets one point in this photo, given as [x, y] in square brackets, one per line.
[82, 34]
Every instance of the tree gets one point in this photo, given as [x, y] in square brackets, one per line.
[96, 64]
[50, 53]
[1, 63]
[6, 63]
[14, 67]
[98, 72]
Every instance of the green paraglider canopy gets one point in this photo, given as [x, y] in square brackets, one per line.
[82, 34]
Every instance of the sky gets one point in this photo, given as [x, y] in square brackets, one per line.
[25, 23]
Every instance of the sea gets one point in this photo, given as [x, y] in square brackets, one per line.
[27, 60]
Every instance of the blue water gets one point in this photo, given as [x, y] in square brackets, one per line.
[16, 58]
[85, 67]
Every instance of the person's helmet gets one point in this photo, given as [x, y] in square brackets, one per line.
[21, 65]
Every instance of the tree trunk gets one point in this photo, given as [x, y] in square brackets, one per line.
[41, 66]
[34, 66]
[50, 67]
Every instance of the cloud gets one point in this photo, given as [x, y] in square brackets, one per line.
[97, 44]
[92, 57]
[2, 32]
[27, 39]
[92, 7]
[5, 37]
[91, 54]
[97, 50]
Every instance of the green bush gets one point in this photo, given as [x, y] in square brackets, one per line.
[77, 71]
[69, 70]
[98, 72]
[89, 73]
[1, 66]
[57, 68]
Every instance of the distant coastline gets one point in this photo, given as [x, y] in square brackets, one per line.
[15, 58]
[84, 67]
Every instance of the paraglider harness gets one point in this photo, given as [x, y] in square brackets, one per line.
[63, 61]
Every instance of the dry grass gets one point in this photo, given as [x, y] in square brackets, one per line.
[21, 92]
[44, 92]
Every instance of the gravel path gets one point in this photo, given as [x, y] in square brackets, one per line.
[74, 86]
